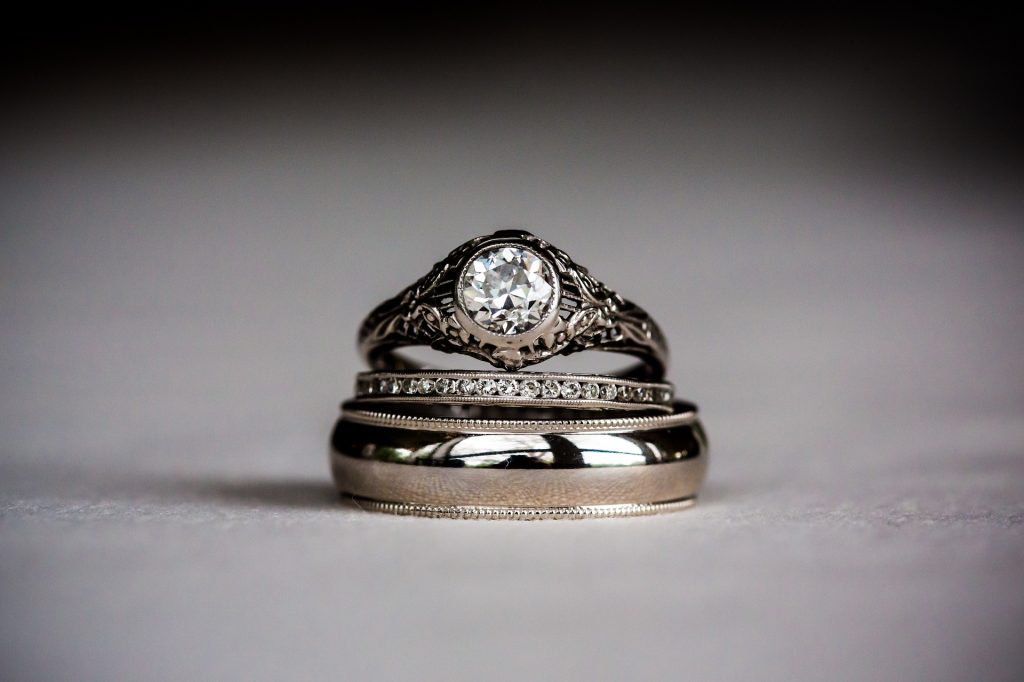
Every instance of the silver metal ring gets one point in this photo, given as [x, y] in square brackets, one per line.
[531, 389]
[499, 467]
[512, 300]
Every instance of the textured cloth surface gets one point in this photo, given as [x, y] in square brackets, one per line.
[182, 286]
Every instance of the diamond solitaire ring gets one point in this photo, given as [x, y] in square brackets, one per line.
[513, 300]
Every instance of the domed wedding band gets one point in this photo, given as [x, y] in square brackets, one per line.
[561, 466]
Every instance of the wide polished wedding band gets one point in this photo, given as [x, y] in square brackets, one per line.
[496, 464]
[512, 300]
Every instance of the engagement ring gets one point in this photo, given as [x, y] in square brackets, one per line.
[513, 300]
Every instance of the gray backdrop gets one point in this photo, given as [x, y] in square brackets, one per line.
[185, 254]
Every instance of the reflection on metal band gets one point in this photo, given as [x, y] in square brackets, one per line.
[518, 470]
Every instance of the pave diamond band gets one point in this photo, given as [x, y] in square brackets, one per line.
[512, 300]
[518, 388]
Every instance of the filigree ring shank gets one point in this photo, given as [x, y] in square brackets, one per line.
[512, 300]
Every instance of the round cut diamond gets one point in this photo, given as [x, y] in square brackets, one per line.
[507, 290]
[571, 390]
[426, 386]
[467, 386]
[550, 389]
[625, 393]
[508, 386]
[443, 385]
[591, 391]
[529, 388]
[410, 386]
[488, 386]
[608, 391]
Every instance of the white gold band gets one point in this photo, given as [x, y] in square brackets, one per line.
[534, 389]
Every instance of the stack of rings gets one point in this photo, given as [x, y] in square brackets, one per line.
[508, 442]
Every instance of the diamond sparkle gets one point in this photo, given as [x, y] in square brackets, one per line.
[508, 387]
[507, 290]
[571, 390]
[530, 388]
[550, 389]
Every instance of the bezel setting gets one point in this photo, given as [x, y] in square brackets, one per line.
[509, 347]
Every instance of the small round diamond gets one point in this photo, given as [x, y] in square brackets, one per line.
[641, 395]
[529, 388]
[550, 389]
[488, 386]
[666, 395]
[609, 391]
[625, 393]
[443, 385]
[591, 391]
[508, 387]
[426, 386]
[410, 386]
[467, 387]
[571, 390]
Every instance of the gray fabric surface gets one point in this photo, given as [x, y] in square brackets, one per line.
[183, 273]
